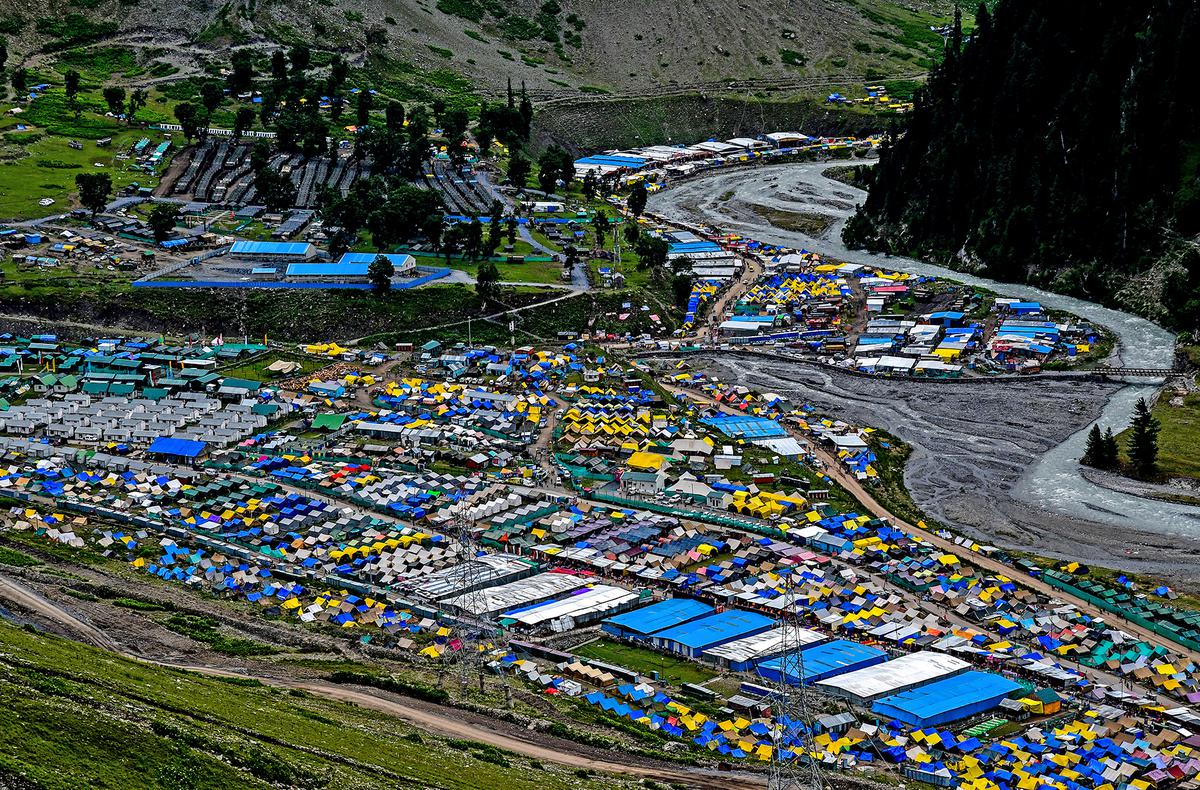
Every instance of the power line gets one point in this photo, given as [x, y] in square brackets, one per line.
[791, 768]
[477, 636]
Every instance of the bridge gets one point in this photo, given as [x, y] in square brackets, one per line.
[1144, 373]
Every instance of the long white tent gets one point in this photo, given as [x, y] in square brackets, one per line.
[891, 677]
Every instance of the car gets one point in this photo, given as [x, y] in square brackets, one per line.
[46, 202]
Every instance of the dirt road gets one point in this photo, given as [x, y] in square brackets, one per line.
[834, 469]
[27, 599]
[450, 723]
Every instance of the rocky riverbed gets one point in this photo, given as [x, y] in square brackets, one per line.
[999, 460]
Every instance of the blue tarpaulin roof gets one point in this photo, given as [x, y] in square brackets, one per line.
[947, 700]
[327, 269]
[717, 629]
[269, 248]
[184, 448]
[656, 617]
[397, 259]
[824, 661]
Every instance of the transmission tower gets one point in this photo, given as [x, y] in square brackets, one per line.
[476, 632]
[793, 717]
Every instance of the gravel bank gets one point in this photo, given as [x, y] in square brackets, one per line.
[999, 463]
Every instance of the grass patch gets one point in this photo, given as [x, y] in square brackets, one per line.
[17, 559]
[807, 223]
[257, 370]
[98, 64]
[670, 668]
[204, 629]
[791, 57]
[891, 455]
[1178, 439]
[72, 30]
[137, 604]
[406, 688]
[73, 716]
[25, 181]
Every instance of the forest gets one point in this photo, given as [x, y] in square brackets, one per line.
[1058, 146]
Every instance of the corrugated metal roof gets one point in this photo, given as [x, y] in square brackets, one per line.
[398, 260]
[327, 270]
[270, 248]
[664, 614]
[717, 628]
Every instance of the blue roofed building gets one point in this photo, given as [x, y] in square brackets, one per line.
[273, 251]
[641, 623]
[188, 451]
[327, 272]
[820, 662]
[693, 638]
[405, 265]
[944, 701]
[749, 428]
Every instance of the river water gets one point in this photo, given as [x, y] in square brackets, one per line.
[1052, 483]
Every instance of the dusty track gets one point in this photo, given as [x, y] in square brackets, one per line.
[448, 723]
[834, 469]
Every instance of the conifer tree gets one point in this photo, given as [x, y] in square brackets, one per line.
[1143, 442]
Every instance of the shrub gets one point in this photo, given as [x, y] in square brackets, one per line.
[406, 688]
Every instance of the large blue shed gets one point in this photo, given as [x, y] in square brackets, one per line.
[942, 701]
[640, 623]
[693, 638]
[820, 662]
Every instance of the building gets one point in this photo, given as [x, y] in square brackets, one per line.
[818, 662]
[405, 265]
[943, 701]
[327, 272]
[907, 672]
[641, 623]
[185, 451]
[741, 655]
[691, 639]
[787, 139]
[272, 251]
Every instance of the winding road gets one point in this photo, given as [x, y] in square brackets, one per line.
[443, 721]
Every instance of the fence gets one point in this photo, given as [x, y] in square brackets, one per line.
[1056, 581]
[429, 276]
[246, 284]
[693, 515]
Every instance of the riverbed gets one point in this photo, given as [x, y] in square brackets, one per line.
[998, 462]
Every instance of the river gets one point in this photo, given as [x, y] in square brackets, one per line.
[1052, 483]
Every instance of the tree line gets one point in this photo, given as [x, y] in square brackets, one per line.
[1055, 147]
[1104, 452]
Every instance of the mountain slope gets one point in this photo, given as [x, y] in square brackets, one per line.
[1057, 148]
[558, 48]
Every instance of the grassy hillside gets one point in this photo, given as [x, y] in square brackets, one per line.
[558, 47]
[72, 716]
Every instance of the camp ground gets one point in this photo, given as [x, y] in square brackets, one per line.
[879, 322]
[563, 496]
[655, 162]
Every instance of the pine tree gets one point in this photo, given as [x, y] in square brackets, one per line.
[1143, 442]
[1093, 453]
[1112, 453]
[1046, 148]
